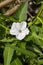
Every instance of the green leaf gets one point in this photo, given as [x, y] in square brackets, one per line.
[40, 61]
[8, 53]
[16, 62]
[21, 44]
[35, 29]
[28, 38]
[7, 40]
[25, 52]
[37, 50]
[4, 18]
[21, 13]
[37, 39]
[2, 32]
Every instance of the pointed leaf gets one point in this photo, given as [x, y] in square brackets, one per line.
[16, 62]
[8, 53]
[21, 13]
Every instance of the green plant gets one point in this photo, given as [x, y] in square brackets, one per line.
[27, 51]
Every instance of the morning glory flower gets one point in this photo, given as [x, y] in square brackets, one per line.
[19, 30]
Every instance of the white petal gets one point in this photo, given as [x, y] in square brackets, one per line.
[20, 36]
[14, 32]
[18, 26]
[23, 25]
[13, 26]
[26, 31]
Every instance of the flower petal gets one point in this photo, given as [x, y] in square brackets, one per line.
[14, 32]
[26, 31]
[18, 26]
[13, 26]
[23, 25]
[20, 36]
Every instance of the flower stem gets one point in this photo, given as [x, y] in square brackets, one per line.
[40, 10]
[4, 27]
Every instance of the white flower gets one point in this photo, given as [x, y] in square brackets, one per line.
[19, 30]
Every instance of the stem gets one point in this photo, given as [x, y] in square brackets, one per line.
[40, 10]
[39, 19]
[4, 27]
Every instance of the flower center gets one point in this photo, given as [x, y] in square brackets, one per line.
[20, 31]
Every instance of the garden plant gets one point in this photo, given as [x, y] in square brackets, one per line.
[21, 32]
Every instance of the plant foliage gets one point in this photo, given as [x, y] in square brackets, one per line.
[28, 51]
